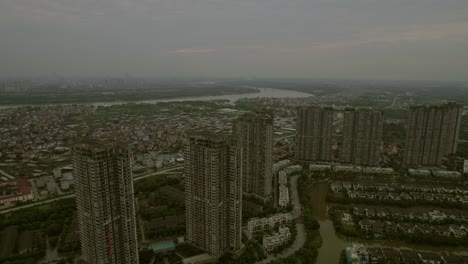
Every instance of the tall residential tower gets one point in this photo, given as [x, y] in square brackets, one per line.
[362, 136]
[314, 134]
[105, 203]
[213, 192]
[254, 133]
[432, 133]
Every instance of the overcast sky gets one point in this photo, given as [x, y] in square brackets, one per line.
[358, 39]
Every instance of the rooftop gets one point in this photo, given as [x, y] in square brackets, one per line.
[162, 246]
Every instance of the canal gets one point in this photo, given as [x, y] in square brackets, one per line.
[333, 245]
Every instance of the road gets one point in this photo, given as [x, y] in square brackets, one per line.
[297, 209]
[301, 232]
[10, 177]
[157, 173]
[166, 171]
[394, 103]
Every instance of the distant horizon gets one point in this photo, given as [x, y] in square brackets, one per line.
[218, 79]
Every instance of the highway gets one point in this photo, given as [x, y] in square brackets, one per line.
[165, 171]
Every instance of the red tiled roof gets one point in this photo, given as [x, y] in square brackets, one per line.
[23, 187]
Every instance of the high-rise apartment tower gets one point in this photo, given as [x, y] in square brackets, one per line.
[432, 133]
[213, 192]
[254, 134]
[105, 203]
[362, 136]
[314, 133]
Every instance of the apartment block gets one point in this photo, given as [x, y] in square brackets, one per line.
[213, 192]
[314, 133]
[254, 134]
[105, 203]
[432, 133]
[362, 136]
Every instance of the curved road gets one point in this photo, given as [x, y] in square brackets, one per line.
[301, 232]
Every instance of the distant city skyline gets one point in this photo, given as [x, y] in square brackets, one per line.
[361, 39]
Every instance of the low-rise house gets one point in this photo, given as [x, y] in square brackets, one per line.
[258, 224]
[391, 254]
[437, 215]
[457, 231]
[455, 259]
[366, 224]
[447, 174]
[441, 231]
[359, 211]
[283, 199]
[336, 187]
[391, 227]
[51, 186]
[394, 196]
[15, 191]
[356, 254]
[293, 169]
[317, 167]
[413, 172]
[41, 182]
[425, 229]
[430, 258]
[347, 185]
[405, 196]
[381, 213]
[378, 227]
[347, 219]
[352, 195]
[280, 165]
[375, 255]
[406, 228]
[409, 256]
[378, 170]
[382, 196]
[352, 169]
[270, 242]
[428, 197]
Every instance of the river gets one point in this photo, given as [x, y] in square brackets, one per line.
[262, 93]
[333, 245]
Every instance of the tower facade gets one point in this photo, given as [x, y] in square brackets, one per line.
[362, 136]
[105, 203]
[314, 133]
[213, 192]
[432, 133]
[254, 134]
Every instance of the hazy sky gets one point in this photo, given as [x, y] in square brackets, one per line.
[362, 39]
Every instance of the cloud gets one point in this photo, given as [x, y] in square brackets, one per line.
[193, 51]
[418, 34]
[426, 38]
[213, 50]
[253, 47]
